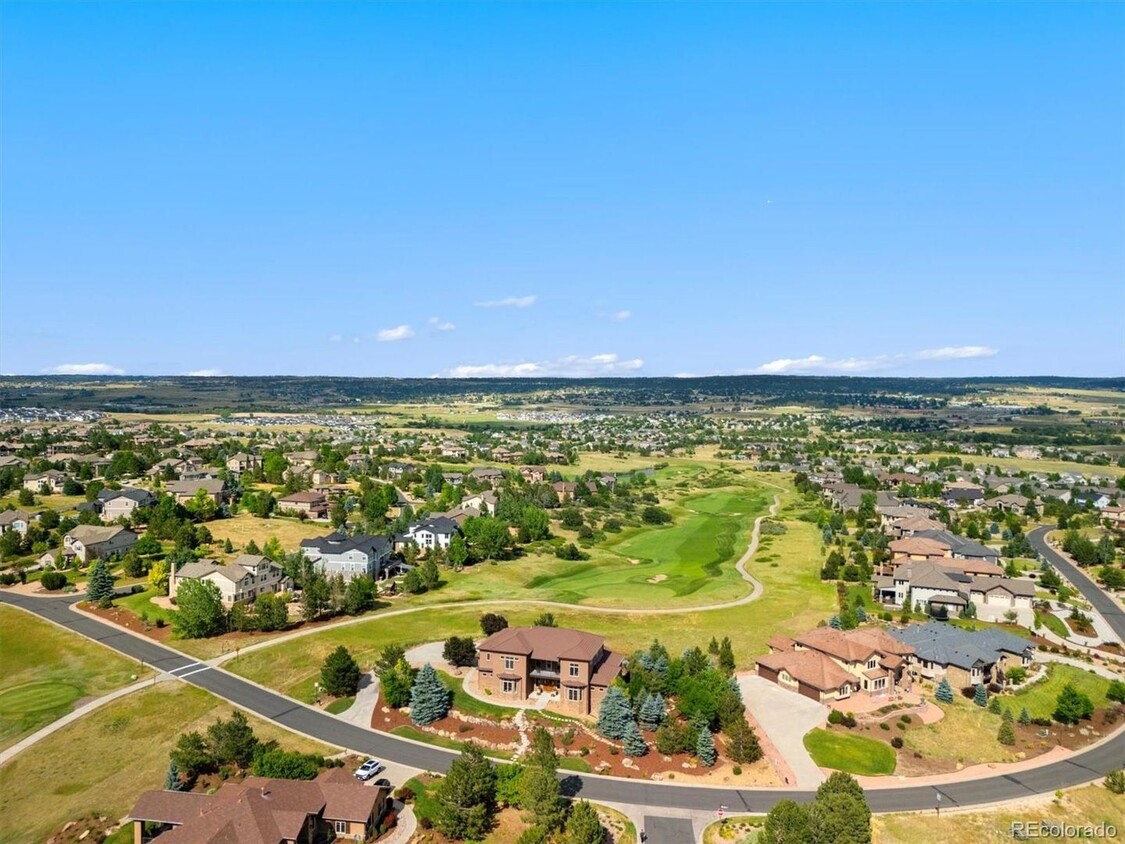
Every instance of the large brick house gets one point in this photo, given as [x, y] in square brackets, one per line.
[519, 661]
[827, 664]
[260, 810]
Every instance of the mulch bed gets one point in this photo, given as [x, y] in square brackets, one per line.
[598, 752]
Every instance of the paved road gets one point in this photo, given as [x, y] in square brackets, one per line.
[1076, 770]
[668, 830]
[1109, 608]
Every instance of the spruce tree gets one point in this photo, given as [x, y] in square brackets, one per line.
[994, 706]
[1006, 735]
[726, 656]
[652, 711]
[584, 826]
[614, 715]
[99, 583]
[633, 740]
[944, 691]
[429, 699]
[1025, 717]
[980, 697]
[705, 747]
[713, 648]
[835, 622]
[742, 742]
[172, 780]
[860, 612]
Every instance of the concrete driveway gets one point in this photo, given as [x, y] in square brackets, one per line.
[786, 717]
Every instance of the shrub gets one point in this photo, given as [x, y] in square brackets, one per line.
[884, 726]
[906, 719]
[1115, 781]
[896, 742]
[835, 716]
[737, 770]
[492, 622]
[1072, 706]
[460, 651]
[405, 793]
[52, 581]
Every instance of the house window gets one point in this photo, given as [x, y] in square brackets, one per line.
[510, 663]
[574, 669]
[341, 827]
[574, 694]
[871, 663]
[508, 686]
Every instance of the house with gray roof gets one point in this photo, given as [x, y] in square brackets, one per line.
[348, 556]
[965, 658]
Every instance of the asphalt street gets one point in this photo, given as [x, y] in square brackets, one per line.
[1076, 770]
[1109, 608]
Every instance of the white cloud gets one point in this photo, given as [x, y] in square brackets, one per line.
[619, 316]
[205, 373]
[392, 335]
[571, 366]
[849, 366]
[335, 338]
[957, 353]
[510, 302]
[441, 324]
[84, 369]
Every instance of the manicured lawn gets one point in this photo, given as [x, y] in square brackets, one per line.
[141, 602]
[465, 703]
[689, 563]
[853, 754]
[1040, 698]
[339, 705]
[795, 599]
[1053, 623]
[1090, 804]
[102, 762]
[46, 670]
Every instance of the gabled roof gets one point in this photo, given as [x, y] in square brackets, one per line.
[436, 525]
[946, 644]
[93, 534]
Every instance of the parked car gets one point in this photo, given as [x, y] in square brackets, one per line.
[368, 769]
[383, 783]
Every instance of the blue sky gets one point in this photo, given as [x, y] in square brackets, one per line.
[570, 189]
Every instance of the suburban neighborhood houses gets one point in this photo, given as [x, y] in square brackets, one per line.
[714, 599]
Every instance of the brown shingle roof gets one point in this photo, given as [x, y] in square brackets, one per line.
[547, 643]
[810, 668]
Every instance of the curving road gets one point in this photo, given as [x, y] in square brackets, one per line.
[1078, 769]
[1107, 606]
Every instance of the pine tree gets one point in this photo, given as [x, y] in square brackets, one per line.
[860, 612]
[584, 825]
[614, 715]
[1007, 715]
[944, 691]
[713, 648]
[99, 583]
[540, 789]
[1006, 735]
[652, 711]
[228, 546]
[994, 706]
[980, 697]
[466, 798]
[634, 742]
[1025, 717]
[742, 742]
[705, 747]
[726, 656]
[429, 699]
[340, 673]
[172, 781]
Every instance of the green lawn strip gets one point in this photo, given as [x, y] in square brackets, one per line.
[339, 705]
[425, 805]
[1040, 698]
[102, 762]
[467, 704]
[853, 754]
[46, 670]
[141, 602]
[1053, 623]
